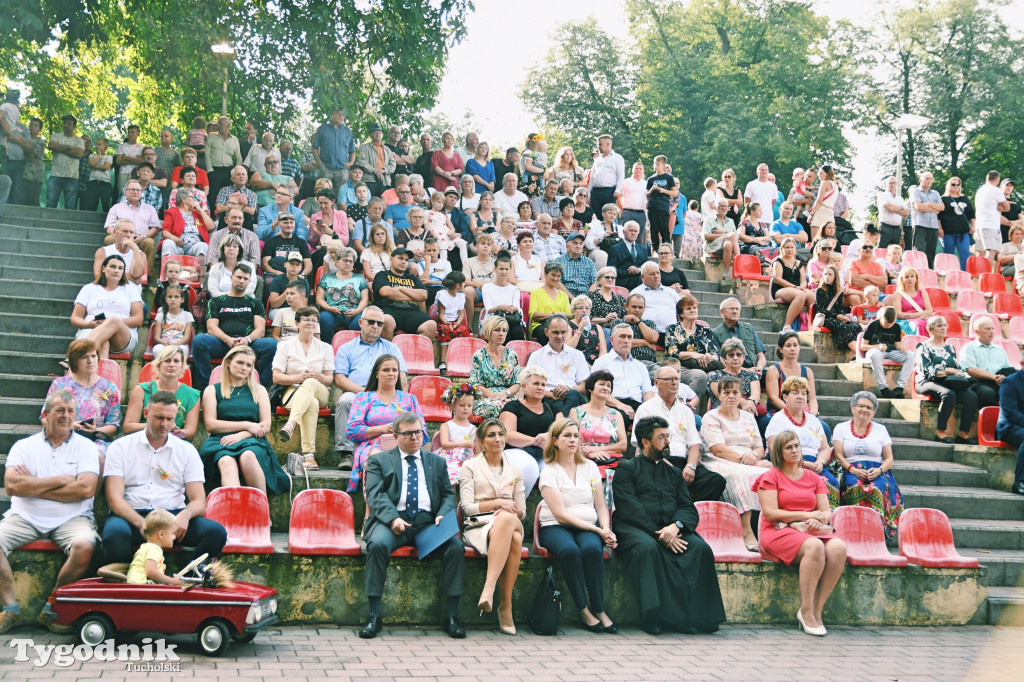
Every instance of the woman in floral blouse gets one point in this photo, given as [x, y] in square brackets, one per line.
[694, 344]
[495, 369]
[98, 401]
[938, 375]
[371, 420]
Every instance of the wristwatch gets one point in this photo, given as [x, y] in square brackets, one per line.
[679, 525]
[692, 466]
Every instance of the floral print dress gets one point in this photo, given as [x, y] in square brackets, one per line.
[369, 410]
[495, 378]
[100, 402]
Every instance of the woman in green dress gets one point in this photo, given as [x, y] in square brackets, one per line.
[168, 367]
[495, 369]
[236, 412]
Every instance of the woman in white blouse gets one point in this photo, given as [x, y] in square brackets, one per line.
[529, 269]
[218, 280]
[305, 365]
[575, 525]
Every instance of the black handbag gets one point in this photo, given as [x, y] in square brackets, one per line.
[275, 394]
[547, 606]
[955, 383]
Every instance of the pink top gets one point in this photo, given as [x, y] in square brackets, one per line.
[439, 160]
[339, 225]
[634, 194]
[908, 306]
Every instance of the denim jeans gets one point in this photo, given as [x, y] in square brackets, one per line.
[206, 346]
[208, 537]
[55, 187]
[960, 244]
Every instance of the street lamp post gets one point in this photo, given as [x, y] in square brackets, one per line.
[913, 123]
[228, 52]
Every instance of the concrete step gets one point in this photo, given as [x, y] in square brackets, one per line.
[54, 214]
[958, 502]
[90, 237]
[988, 533]
[836, 387]
[839, 406]
[21, 410]
[1006, 606]
[70, 268]
[11, 433]
[14, 341]
[896, 427]
[45, 275]
[36, 305]
[28, 288]
[34, 246]
[822, 371]
[920, 450]
[53, 325]
[1005, 566]
[914, 472]
[27, 386]
[31, 363]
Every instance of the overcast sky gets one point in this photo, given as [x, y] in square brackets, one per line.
[520, 32]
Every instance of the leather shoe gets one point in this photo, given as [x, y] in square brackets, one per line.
[372, 628]
[652, 629]
[453, 628]
[1019, 489]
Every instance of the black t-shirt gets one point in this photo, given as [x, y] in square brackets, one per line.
[1011, 215]
[585, 217]
[676, 276]
[235, 315]
[387, 278]
[400, 168]
[500, 170]
[278, 248]
[876, 333]
[278, 284]
[956, 215]
[422, 166]
[530, 423]
[656, 200]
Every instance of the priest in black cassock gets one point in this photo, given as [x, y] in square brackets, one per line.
[671, 568]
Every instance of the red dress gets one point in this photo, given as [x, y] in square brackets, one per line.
[800, 495]
[447, 164]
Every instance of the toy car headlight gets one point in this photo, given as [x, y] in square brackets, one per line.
[253, 615]
[273, 605]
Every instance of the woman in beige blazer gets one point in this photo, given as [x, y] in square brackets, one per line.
[493, 503]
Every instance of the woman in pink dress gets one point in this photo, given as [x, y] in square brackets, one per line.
[795, 517]
[446, 164]
[911, 301]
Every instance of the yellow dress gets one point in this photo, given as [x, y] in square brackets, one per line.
[540, 302]
[137, 570]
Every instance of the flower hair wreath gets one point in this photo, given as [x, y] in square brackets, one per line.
[456, 391]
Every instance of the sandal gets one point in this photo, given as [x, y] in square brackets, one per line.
[286, 433]
[442, 368]
[8, 621]
[309, 462]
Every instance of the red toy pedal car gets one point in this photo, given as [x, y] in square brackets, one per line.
[99, 608]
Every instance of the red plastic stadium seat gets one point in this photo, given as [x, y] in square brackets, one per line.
[861, 529]
[316, 279]
[992, 283]
[418, 352]
[460, 355]
[322, 522]
[970, 303]
[524, 303]
[428, 392]
[283, 411]
[810, 314]
[889, 290]
[186, 261]
[523, 349]
[40, 546]
[946, 263]
[147, 374]
[215, 374]
[915, 259]
[911, 341]
[928, 278]
[245, 514]
[987, 419]
[926, 539]
[720, 527]
[938, 298]
[1016, 330]
[1007, 305]
[1011, 350]
[111, 371]
[912, 385]
[978, 265]
[978, 317]
[953, 320]
[342, 337]
[957, 343]
[957, 281]
[621, 291]
[745, 266]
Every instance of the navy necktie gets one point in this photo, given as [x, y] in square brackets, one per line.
[632, 247]
[412, 487]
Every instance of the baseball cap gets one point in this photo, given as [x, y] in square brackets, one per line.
[294, 255]
[574, 235]
[401, 251]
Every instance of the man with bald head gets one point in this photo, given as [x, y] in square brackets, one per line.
[547, 244]
[468, 151]
[985, 362]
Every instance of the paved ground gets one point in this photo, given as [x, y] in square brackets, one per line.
[735, 653]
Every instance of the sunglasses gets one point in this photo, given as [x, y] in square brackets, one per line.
[374, 323]
[827, 248]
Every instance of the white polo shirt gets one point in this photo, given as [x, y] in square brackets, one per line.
[986, 207]
[154, 479]
[567, 368]
[632, 379]
[75, 456]
[682, 429]
[659, 305]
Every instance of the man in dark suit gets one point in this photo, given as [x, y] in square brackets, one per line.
[407, 489]
[627, 256]
[1010, 426]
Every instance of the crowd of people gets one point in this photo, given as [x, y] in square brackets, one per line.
[259, 260]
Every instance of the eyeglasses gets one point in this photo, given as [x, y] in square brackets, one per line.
[861, 406]
[671, 380]
[408, 434]
[611, 277]
[735, 355]
[374, 323]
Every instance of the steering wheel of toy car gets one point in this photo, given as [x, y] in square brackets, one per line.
[191, 565]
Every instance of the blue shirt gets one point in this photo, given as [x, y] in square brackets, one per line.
[579, 274]
[347, 194]
[775, 209]
[680, 226]
[335, 145]
[268, 214]
[486, 172]
[363, 226]
[397, 213]
[355, 359]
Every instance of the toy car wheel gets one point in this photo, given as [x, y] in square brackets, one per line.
[93, 629]
[244, 637]
[214, 638]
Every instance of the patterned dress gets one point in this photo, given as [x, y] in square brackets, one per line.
[842, 332]
[601, 308]
[746, 377]
[483, 372]
[595, 430]
[702, 340]
[456, 457]
[693, 236]
[882, 494]
[590, 343]
[100, 402]
[369, 410]
[741, 434]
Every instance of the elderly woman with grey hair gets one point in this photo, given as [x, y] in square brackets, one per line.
[186, 228]
[608, 228]
[547, 300]
[342, 295]
[938, 375]
[864, 450]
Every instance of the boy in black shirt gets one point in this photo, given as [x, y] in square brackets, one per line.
[882, 341]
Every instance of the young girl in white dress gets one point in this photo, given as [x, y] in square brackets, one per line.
[456, 437]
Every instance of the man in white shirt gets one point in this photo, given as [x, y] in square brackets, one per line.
[684, 437]
[892, 211]
[632, 381]
[607, 174]
[660, 301]
[762, 191]
[566, 367]
[634, 199]
[468, 151]
[51, 478]
[153, 469]
[509, 198]
[547, 244]
[989, 203]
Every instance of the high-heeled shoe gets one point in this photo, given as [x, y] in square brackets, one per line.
[484, 603]
[612, 629]
[506, 627]
[819, 631]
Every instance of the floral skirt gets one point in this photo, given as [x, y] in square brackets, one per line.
[831, 482]
[739, 481]
[691, 246]
[882, 495]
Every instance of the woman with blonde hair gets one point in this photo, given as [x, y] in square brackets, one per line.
[495, 369]
[236, 412]
[527, 420]
[823, 209]
[565, 167]
[789, 282]
[911, 302]
[168, 367]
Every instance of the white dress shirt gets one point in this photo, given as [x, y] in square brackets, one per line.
[154, 478]
[632, 380]
[424, 495]
[660, 305]
[567, 368]
[888, 217]
[682, 429]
